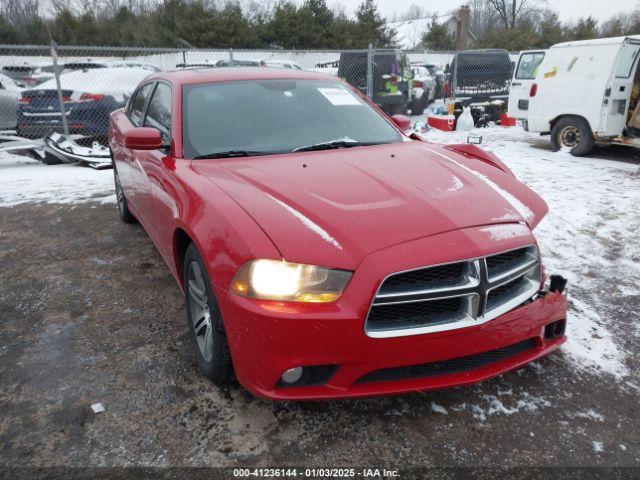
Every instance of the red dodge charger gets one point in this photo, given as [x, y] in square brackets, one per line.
[323, 252]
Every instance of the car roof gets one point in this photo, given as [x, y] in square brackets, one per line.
[597, 41]
[209, 75]
[110, 81]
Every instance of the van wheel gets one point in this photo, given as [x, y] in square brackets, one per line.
[572, 134]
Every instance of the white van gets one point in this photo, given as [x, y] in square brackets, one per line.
[580, 93]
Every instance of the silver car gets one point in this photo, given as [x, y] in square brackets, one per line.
[10, 92]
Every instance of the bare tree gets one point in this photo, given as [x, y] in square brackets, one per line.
[482, 16]
[512, 11]
[20, 12]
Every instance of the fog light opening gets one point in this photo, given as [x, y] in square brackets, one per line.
[555, 329]
[557, 283]
[292, 375]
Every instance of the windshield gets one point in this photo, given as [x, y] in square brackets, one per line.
[277, 116]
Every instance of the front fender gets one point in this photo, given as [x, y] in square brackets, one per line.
[225, 235]
[473, 151]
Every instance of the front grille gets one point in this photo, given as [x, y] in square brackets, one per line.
[506, 291]
[447, 367]
[453, 295]
[418, 313]
[442, 276]
[503, 263]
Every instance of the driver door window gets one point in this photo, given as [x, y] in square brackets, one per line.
[159, 111]
[137, 105]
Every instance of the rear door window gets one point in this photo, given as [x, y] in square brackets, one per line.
[528, 65]
[136, 111]
[159, 110]
[627, 59]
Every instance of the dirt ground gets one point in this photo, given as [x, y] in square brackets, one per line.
[89, 313]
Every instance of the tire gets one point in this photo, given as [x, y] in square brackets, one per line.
[204, 319]
[397, 109]
[50, 159]
[574, 134]
[424, 101]
[418, 105]
[123, 207]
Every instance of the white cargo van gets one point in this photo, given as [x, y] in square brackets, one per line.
[580, 93]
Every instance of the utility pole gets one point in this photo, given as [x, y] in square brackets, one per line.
[370, 71]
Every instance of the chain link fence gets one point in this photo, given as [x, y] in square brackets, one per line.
[95, 81]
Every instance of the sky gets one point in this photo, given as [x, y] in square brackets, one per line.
[568, 10]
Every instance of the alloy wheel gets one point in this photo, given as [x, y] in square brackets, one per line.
[200, 312]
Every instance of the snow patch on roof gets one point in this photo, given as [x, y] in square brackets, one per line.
[409, 32]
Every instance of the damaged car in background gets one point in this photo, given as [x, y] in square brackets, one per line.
[323, 252]
[88, 96]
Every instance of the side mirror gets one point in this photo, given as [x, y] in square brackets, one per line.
[143, 138]
[402, 121]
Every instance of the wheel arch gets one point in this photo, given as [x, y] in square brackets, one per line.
[555, 120]
[181, 241]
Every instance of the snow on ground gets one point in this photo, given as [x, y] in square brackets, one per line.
[590, 235]
[25, 180]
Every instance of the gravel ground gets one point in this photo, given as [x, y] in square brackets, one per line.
[90, 314]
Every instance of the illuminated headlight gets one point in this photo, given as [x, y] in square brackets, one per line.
[294, 282]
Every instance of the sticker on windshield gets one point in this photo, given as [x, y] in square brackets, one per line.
[339, 96]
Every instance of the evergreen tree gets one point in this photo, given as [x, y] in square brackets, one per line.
[551, 31]
[8, 32]
[585, 29]
[371, 27]
[438, 37]
[311, 24]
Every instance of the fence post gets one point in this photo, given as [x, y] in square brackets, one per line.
[454, 83]
[370, 71]
[56, 74]
[231, 57]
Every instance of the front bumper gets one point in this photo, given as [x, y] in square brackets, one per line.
[267, 338]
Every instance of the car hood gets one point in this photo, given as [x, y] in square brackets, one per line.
[335, 207]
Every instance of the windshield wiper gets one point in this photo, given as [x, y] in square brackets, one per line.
[333, 144]
[229, 154]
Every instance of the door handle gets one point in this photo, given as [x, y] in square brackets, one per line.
[515, 84]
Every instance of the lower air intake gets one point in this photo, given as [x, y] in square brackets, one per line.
[447, 367]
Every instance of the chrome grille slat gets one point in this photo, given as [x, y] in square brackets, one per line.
[506, 264]
[440, 278]
[470, 280]
[482, 296]
[528, 288]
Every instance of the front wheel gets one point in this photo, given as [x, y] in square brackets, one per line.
[205, 321]
[572, 134]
